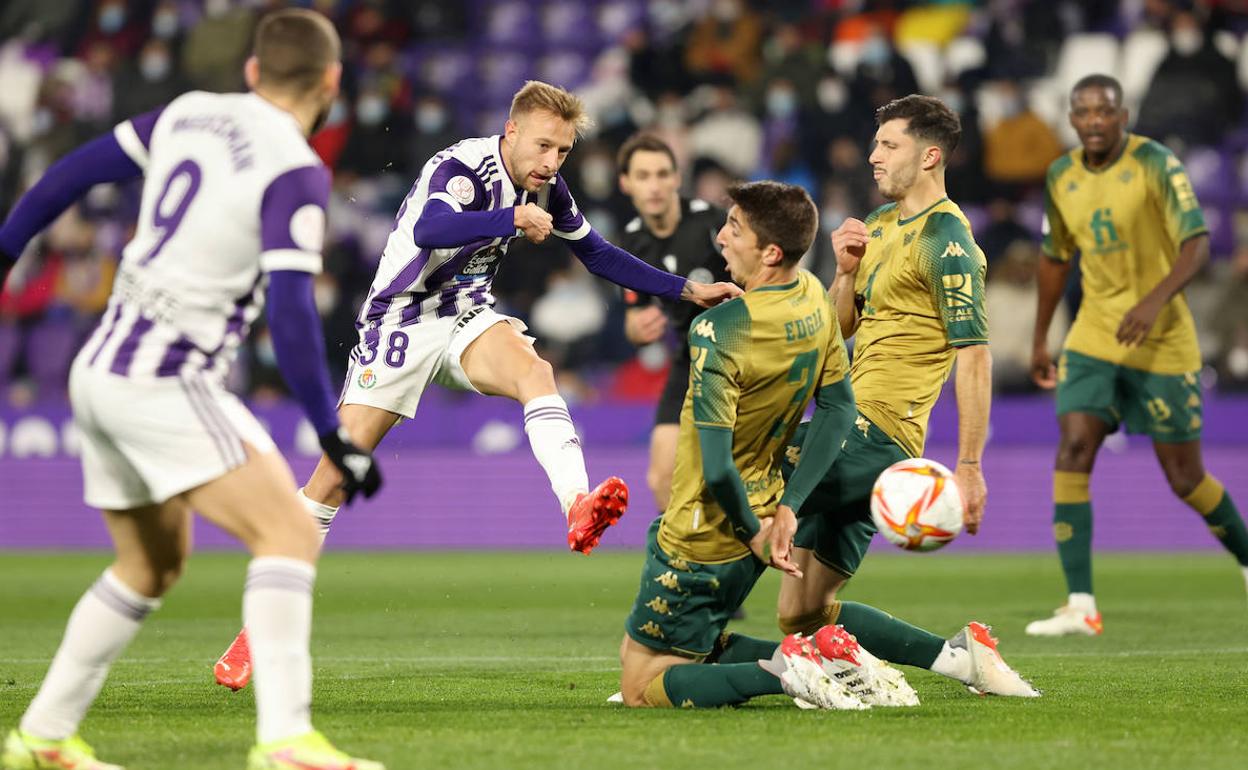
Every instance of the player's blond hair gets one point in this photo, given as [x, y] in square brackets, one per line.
[536, 95]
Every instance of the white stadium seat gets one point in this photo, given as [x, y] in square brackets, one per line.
[1086, 54]
[928, 64]
[1142, 51]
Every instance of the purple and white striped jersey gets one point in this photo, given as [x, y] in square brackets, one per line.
[414, 282]
[232, 191]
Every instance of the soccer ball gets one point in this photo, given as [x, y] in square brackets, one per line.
[916, 505]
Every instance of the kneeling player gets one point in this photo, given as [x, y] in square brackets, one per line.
[755, 362]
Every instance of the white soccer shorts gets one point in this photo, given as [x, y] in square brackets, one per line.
[146, 441]
[392, 366]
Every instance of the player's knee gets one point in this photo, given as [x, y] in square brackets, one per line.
[1183, 477]
[292, 534]
[1075, 452]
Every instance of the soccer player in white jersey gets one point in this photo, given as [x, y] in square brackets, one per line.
[429, 316]
[233, 207]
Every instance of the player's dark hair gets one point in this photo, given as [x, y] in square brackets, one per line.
[293, 47]
[929, 120]
[1098, 81]
[778, 213]
[642, 142]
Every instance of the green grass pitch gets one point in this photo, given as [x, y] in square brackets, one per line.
[505, 660]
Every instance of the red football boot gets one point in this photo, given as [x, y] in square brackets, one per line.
[233, 669]
[593, 512]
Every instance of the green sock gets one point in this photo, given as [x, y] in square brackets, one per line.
[884, 636]
[1072, 528]
[1211, 500]
[706, 686]
[739, 648]
[1228, 526]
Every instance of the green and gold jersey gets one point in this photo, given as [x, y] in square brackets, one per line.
[1127, 221]
[756, 362]
[920, 288]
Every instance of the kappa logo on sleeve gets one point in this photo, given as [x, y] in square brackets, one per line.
[705, 328]
[954, 249]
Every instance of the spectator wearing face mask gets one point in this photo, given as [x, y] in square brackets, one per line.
[1194, 94]
[112, 23]
[218, 45]
[147, 82]
[379, 137]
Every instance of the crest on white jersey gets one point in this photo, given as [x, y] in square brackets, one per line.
[461, 189]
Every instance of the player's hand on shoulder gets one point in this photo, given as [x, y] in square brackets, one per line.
[1043, 372]
[970, 479]
[534, 221]
[849, 243]
[359, 470]
[643, 325]
[710, 294]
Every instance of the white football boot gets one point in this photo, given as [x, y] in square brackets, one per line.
[799, 666]
[1068, 620]
[990, 675]
[874, 682]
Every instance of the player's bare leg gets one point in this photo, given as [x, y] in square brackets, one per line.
[663, 441]
[257, 504]
[151, 544]
[502, 362]
[807, 605]
[1188, 479]
[1081, 437]
[321, 496]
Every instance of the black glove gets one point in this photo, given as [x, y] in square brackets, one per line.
[359, 470]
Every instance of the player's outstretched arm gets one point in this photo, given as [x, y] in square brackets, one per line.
[100, 160]
[295, 328]
[1050, 280]
[1139, 320]
[974, 394]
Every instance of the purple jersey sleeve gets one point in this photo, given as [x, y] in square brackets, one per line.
[455, 213]
[608, 261]
[299, 344]
[457, 185]
[292, 220]
[569, 223]
[135, 135]
[100, 160]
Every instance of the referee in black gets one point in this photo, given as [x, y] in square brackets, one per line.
[675, 234]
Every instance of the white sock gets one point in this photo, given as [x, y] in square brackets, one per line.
[953, 662]
[1082, 602]
[555, 445]
[104, 621]
[277, 612]
[322, 513]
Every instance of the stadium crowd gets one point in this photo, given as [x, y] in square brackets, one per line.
[779, 90]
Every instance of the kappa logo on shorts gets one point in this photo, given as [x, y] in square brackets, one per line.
[367, 379]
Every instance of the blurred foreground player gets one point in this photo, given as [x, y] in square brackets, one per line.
[1125, 204]
[234, 201]
[429, 316]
